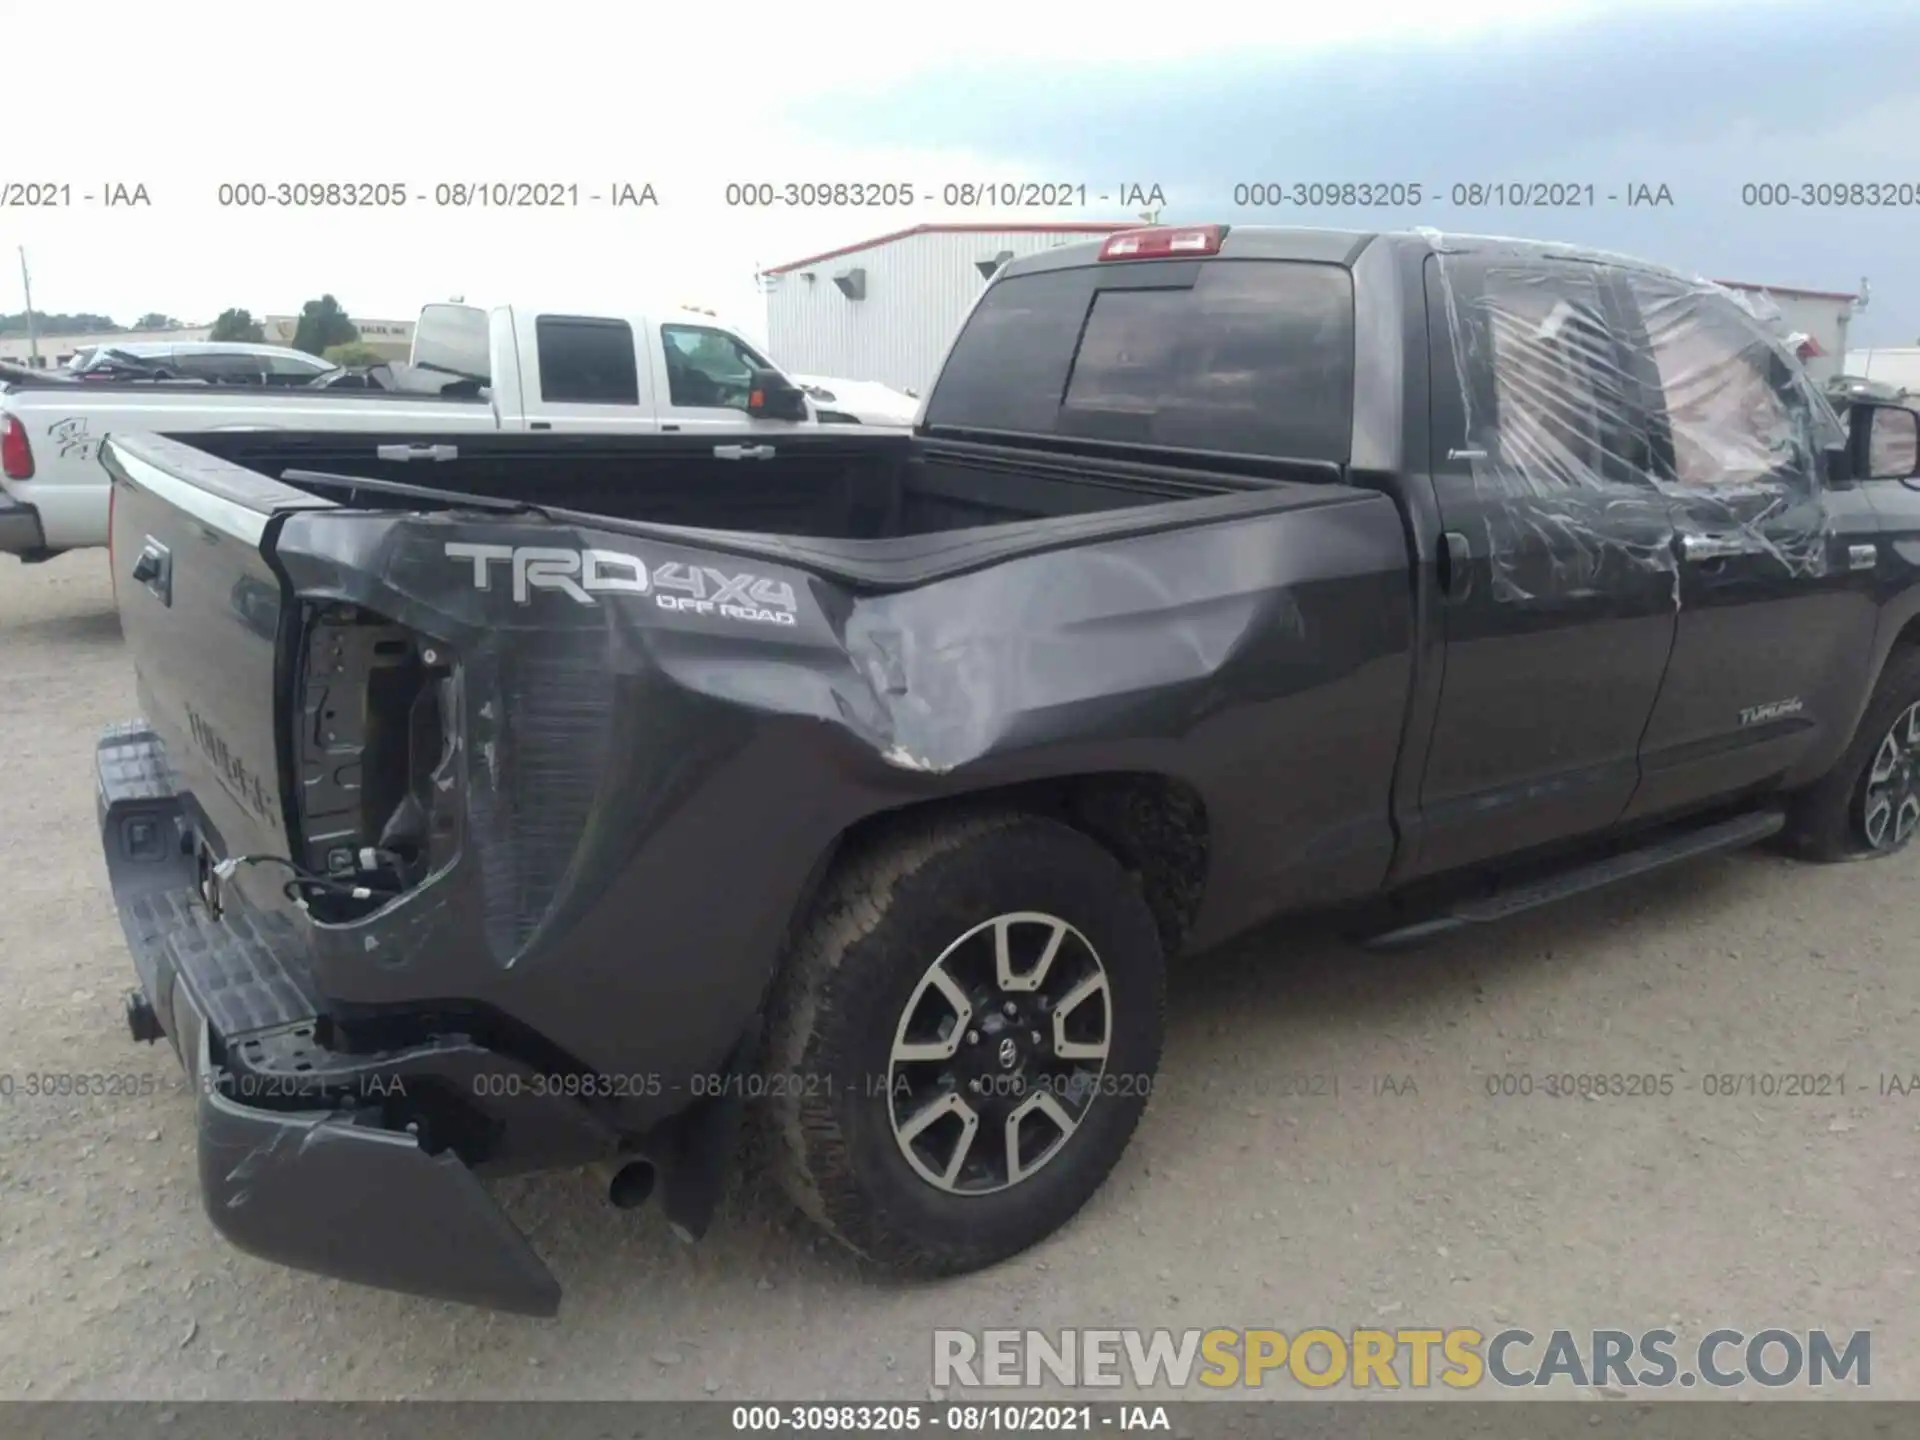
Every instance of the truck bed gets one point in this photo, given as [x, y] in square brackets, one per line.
[528, 700]
[886, 508]
[526, 549]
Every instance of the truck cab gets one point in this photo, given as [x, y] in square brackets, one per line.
[577, 370]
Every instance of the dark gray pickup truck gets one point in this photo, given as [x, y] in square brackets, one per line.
[511, 802]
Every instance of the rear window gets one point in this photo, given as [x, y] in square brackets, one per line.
[586, 361]
[1247, 357]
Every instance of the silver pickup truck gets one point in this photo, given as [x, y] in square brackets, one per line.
[523, 369]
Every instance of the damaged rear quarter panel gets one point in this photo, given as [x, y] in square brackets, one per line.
[651, 782]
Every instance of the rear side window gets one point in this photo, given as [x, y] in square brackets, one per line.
[1559, 386]
[1252, 357]
[586, 361]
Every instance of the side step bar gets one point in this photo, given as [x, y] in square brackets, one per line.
[1734, 834]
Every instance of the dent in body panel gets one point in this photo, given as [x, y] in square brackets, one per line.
[624, 758]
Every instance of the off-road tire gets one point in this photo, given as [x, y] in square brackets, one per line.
[882, 919]
[1824, 822]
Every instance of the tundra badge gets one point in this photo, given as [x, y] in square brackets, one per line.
[1772, 710]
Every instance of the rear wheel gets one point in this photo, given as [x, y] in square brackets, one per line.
[965, 1040]
[1868, 805]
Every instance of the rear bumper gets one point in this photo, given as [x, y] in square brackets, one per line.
[300, 1159]
[20, 529]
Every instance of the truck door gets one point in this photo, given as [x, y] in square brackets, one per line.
[582, 373]
[1558, 568]
[1776, 570]
[705, 375]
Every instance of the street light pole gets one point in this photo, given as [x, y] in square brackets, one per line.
[33, 331]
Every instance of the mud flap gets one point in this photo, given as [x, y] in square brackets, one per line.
[693, 1168]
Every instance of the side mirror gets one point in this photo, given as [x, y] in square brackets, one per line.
[1886, 441]
[771, 396]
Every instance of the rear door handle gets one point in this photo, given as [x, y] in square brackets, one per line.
[417, 452]
[743, 452]
[154, 569]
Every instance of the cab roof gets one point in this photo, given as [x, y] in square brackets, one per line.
[1338, 247]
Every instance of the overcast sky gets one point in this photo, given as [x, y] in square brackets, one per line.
[1701, 97]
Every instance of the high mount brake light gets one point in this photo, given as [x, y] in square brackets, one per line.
[1164, 242]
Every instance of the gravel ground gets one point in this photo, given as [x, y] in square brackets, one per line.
[1411, 1198]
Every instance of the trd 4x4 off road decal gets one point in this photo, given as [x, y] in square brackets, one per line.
[587, 574]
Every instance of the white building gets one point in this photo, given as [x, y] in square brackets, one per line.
[886, 309]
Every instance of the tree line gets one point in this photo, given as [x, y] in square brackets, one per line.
[324, 329]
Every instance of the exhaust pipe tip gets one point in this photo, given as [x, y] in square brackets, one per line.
[632, 1185]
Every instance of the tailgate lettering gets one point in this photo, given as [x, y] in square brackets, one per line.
[238, 781]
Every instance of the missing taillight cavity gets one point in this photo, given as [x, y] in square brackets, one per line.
[378, 795]
[1164, 242]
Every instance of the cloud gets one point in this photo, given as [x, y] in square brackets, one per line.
[1703, 101]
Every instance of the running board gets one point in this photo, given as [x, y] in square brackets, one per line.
[1734, 834]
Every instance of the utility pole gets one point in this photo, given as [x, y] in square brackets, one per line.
[33, 331]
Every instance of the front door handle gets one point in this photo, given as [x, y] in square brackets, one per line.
[743, 452]
[1701, 548]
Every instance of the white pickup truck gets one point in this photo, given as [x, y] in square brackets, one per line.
[508, 368]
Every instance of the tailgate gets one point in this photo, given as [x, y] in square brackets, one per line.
[201, 609]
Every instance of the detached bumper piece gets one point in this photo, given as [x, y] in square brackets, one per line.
[298, 1163]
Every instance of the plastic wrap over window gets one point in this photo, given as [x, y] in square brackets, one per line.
[1605, 409]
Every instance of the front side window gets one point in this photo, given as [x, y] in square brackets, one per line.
[707, 368]
[1734, 410]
